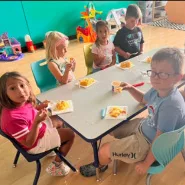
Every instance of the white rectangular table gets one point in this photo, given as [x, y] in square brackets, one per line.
[86, 120]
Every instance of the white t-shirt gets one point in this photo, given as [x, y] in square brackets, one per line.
[106, 50]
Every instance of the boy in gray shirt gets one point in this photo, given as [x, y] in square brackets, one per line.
[166, 112]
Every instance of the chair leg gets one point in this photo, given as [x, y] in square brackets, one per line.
[148, 179]
[65, 161]
[16, 159]
[115, 162]
[183, 153]
[37, 175]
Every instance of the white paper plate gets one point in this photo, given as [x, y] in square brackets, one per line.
[119, 66]
[52, 106]
[78, 83]
[121, 116]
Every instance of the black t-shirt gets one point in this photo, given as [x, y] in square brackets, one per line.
[128, 40]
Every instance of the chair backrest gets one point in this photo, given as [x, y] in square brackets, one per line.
[28, 157]
[88, 57]
[43, 77]
[14, 142]
[168, 145]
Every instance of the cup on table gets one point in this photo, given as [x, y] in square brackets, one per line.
[116, 86]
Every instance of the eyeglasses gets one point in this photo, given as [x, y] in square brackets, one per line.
[160, 75]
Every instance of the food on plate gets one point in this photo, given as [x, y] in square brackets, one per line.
[127, 64]
[116, 111]
[62, 105]
[87, 81]
[149, 60]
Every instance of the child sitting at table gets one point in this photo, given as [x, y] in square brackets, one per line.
[166, 112]
[56, 48]
[129, 41]
[29, 124]
[102, 50]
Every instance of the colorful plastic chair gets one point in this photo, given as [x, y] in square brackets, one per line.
[34, 157]
[42, 75]
[164, 149]
[88, 57]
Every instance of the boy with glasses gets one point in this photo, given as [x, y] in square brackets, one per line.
[166, 112]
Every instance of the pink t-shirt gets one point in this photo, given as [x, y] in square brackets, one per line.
[105, 50]
[17, 123]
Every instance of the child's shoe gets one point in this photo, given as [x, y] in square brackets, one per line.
[89, 170]
[57, 169]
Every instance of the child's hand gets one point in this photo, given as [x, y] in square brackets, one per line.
[142, 167]
[125, 86]
[105, 67]
[73, 62]
[41, 116]
[69, 66]
[43, 105]
[127, 55]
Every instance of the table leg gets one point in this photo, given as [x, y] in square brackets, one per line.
[96, 159]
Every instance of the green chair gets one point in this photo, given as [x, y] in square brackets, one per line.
[88, 57]
[164, 149]
[42, 75]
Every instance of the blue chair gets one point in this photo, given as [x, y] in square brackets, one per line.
[42, 75]
[34, 157]
[111, 38]
[164, 149]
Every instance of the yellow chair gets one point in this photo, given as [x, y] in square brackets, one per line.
[88, 57]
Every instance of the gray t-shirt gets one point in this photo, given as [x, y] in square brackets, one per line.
[164, 114]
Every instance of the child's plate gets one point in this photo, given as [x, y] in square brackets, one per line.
[78, 83]
[54, 111]
[122, 115]
[124, 68]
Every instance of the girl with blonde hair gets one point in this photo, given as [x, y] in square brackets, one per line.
[56, 48]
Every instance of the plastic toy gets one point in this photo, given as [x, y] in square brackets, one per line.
[88, 33]
[10, 48]
[90, 11]
[29, 44]
[116, 17]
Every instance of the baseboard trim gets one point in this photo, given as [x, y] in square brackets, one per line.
[40, 45]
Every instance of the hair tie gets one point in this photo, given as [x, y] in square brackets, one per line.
[62, 41]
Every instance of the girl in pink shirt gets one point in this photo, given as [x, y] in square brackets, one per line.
[29, 124]
[103, 50]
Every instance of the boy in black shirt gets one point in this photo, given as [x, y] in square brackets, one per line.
[129, 39]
